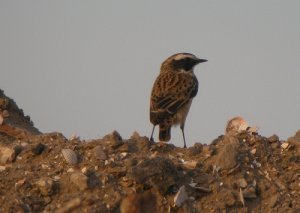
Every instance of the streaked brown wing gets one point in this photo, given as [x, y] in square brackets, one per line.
[167, 100]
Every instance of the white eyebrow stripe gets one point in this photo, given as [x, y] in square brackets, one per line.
[182, 56]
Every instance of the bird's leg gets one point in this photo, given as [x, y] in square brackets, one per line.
[182, 130]
[151, 137]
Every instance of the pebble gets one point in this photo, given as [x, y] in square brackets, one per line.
[273, 139]
[180, 197]
[99, 153]
[249, 192]
[80, 180]
[46, 186]
[115, 139]
[285, 145]
[70, 170]
[242, 183]
[2, 168]
[6, 155]
[1, 119]
[20, 183]
[190, 164]
[70, 156]
[84, 170]
[38, 149]
[227, 157]
[253, 151]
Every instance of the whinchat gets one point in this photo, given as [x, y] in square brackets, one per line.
[172, 94]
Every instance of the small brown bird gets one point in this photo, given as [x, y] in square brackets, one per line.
[172, 94]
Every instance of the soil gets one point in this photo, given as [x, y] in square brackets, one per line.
[244, 172]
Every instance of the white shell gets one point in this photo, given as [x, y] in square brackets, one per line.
[70, 156]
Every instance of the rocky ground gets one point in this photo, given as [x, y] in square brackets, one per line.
[245, 172]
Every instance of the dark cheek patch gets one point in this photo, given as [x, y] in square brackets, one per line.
[185, 64]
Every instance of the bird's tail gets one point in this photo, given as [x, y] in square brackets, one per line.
[164, 133]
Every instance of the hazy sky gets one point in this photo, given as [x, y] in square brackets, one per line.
[87, 67]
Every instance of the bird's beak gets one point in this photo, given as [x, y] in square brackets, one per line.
[201, 60]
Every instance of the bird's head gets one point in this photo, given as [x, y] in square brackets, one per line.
[181, 62]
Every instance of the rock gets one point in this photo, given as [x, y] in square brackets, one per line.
[249, 192]
[38, 149]
[99, 153]
[158, 172]
[191, 164]
[80, 180]
[242, 183]
[253, 151]
[273, 139]
[180, 197]
[70, 156]
[285, 145]
[253, 129]
[196, 149]
[20, 183]
[6, 155]
[70, 206]
[139, 203]
[46, 186]
[114, 139]
[73, 137]
[2, 168]
[227, 156]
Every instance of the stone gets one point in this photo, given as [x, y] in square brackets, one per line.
[99, 153]
[6, 155]
[80, 180]
[227, 156]
[249, 192]
[114, 139]
[38, 149]
[159, 172]
[46, 186]
[2, 168]
[180, 197]
[285, 145]
[242, 183]
[273, 139]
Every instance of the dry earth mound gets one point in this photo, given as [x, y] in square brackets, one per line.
[245, 172]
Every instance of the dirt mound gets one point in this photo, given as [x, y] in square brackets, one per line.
[244, 172]
[13, 122]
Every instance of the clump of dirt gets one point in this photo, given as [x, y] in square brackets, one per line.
[244, 172]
